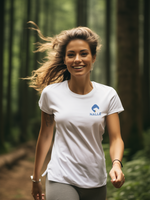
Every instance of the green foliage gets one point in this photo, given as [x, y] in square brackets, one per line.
[33, 128]
[15, 133]
[5, 148]
[137, 175]
[147, 143]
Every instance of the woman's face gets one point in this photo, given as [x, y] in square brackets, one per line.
[78, 58]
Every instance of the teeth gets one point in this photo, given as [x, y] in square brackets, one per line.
[78, 67]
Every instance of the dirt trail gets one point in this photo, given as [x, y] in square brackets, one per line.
[15, 183]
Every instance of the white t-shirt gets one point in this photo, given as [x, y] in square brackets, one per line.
[77, 155]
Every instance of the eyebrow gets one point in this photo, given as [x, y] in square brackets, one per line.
[80, 51]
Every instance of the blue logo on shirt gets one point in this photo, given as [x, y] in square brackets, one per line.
[95, 109]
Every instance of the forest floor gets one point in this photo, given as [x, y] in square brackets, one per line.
[15, 181]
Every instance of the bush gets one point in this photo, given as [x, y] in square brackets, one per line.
[136, 186]
[137, 175]
[147, 143]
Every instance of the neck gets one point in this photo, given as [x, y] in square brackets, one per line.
[80, 86]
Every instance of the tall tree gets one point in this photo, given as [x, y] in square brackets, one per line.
[52, 16]
[82, 12]
[36, 56]
[146, 67]
[9, 89]
[25, 91]
[108, 28]
[128, 72]
[47, 10]
[21, 85]
[1, 71]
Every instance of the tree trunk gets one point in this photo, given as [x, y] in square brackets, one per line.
[8, 109]
[146, 70]
[52, 17]
[1, 71]
[25, 92]
[82, 12]
[128, 72]
[36, 57]
[47, 10]
[108, 14]
[22, 83]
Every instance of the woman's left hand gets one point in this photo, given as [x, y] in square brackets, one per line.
[117, 176]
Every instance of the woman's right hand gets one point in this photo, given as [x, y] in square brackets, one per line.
[37, 191]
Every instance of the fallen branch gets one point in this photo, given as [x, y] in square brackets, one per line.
[9, 159]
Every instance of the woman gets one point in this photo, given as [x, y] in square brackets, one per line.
[80, 108]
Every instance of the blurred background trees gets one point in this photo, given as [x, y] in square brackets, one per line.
[128, 72]
[123, 61]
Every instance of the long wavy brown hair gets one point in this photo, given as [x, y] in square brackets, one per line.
[53, 69]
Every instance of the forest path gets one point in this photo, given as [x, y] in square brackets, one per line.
[15, 183]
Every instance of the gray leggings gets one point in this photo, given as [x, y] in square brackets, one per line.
[61, 191]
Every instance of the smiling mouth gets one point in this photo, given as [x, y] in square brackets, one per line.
[78, 67]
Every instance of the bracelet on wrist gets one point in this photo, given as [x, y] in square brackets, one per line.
[34, 181]
[118, 161]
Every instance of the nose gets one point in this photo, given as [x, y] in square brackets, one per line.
[77, 58]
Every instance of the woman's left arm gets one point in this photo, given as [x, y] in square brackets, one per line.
[116, 149]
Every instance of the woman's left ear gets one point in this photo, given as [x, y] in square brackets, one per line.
[93, 58]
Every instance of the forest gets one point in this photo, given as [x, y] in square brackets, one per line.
[123, 63]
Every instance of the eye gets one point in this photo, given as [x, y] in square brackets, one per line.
[84, 54]
[70, 55]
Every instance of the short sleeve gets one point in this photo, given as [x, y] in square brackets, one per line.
[44, 102]
[115, 104]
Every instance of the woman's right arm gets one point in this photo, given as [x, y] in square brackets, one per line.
[43, 144]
